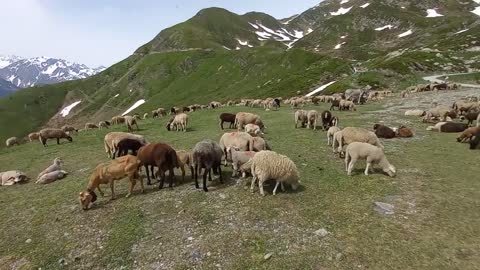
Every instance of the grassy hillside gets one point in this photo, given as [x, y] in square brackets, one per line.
[434, 226]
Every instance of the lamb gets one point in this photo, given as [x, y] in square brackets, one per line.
[242, 140]
[130, 121]
[239, 158]
[159, 155]
[33, 136]
[330, 133]
[253, 130]
[12, 141]
[207, 155]
[312, 118]
[383, 131]
[185, 159]
[112, 139]
[271, 165]
[301, 117]
[53, 133]
[126, 145]
[56, 166]
[449, 127]
[51, 177]
[475, 141]
[68, 128]
[178, 122]
[9, 178]
[227, 117]
[107, 173]
[90, 126]
[353, 134]
[260, 144]
[243, 118]
[415, 113]
[468, 134]
[470, 117]
[404, 132]
[103, 124]
[373, 155]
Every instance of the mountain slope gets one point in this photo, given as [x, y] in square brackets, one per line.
[6, 88]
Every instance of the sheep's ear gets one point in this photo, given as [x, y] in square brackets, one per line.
[80, 194]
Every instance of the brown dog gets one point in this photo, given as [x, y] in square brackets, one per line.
[107, 173]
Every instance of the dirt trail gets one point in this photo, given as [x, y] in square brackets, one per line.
[435, 79]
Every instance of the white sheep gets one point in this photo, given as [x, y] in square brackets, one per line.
[312, 118]
[56, 166]
[130, 121]
[300, 117]
[12, 141]
[330, 133]
[354, 134]
[51, 177]
[253, 130]
[415, 113]
[372, 154]
[270, 165]
[9, 178]
[239, 158]
[178, 122]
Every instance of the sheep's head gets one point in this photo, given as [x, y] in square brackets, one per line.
[58, 161]
[87, 198]
[69, 138]
[376, 126]
[390, 170]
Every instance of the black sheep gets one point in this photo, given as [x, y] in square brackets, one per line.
[126, 145]
[475, 142]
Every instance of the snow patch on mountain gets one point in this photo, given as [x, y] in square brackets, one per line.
[407, 33]
[344, 2]
[476, 11]
[389, 26]
[319, 89]
[461, 31]
[6, 60]
[134, 106]
[65, 111]
[339, 45]
[365, 5]
[341, 11]
[432, 13]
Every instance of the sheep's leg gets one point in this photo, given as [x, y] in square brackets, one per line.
[235, 169]
[172, 177]
[140, 178]
[100, 191]
[133, 182]
[347, 160]
[58, 140]
[260, 186]
[275, 189]
[220, 174]
[112, 189]
[350, 166]
[252, 184]
[210, 175]
[221, 124]
[368, 167]
[191, 171]
[182, 168]
[148, 175]
[162, 178]
[328, 139]
[196, 176]
[282, 186]
[205, 172]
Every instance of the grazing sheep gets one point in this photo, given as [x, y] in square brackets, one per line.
[462, 107]
[253, 130]
[207, 155]
[468, 134]
[354, 134]
[335, 104]
[12, 141]
[107, 173]
[51, 177]
[415, 113]
[103, 124]
[55, 166]
[68, 128]
[145, 115]
[349, 105]
[130, 121]
[116, 120]
[174, 110]
[271, 165]
[126, 145]
[404, 132]
[470, 117]
[53, 133]
[227, 117]
[334, 121]
[33, 136]
[330, 133]
[90, 126]
[449, 127]
[326, 119]
[260, 144]
[9, 178]
[373, 155]
[239, 158]
[301, 117]
[178, 122]
[112, 139]
[185, 159]
[383, 131]
[439, 112]
[475, 141]
[159, 155]
[241, 140]
[312, 118]
[243, 118]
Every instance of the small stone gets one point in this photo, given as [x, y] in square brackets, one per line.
[223, 196]
[268, 256]
[28, 241]
[321, 232]
[61, 261]
[209, 254]
[339, 256]
[384, 208]
[218, 265]
[190, 238]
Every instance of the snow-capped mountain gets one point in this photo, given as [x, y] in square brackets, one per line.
[27, 72]
[6, 60]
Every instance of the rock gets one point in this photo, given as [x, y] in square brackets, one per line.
[384, 208]
[339, 256]
[62, 261]
[28, 241]
[223, 196]
[321, 232]
[190, 238]
[268, 256]
[196, 255]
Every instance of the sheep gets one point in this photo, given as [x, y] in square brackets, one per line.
[145, 115]
[312, 118]
[335, 103]
[33, 136]
[53, 133]
[103, 124]
[159, 155]
[12, 141]
[404, 132]
[415, 113]
[242, 140]
[353, 134]
[475, 141]
[178, 122]
[449, 127]
[174, 110]
[227, 117]
[464, 107]
[130, 121]
[326, 119]
[107, 173]
[159, 112]
[112, 139]
[51, 177]
[116, 120]
[383, 131]
[68, 128]
[260, 144]
[373, 155]
[207, 155]
[185, 159]
[330, 133]
[468, 134]
[440, 111]
[300, 117]
[253, 130]
[90, 126]
[239, 158]
[126, 145]
[243, 118]
[56, 166]
[9, 178]
[349, 105]
[271, 165]
[470, 117]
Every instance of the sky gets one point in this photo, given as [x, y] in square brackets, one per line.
[103, 32]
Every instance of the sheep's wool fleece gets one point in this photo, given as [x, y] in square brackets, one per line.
[272, 165]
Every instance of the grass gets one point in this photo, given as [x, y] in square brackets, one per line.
[434, 226]
[472, 78]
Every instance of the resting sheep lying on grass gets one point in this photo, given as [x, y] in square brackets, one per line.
[373, 155]
[56, 166]
[51, 177]
[448, 127]
[9, 178]
[270, 165]
[383, 131]
[404, 132]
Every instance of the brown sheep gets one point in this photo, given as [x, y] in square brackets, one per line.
[185, 159]
[53, 133]
[383, 131]
[90, 126]
[33, 136]
[159, 155]
[470, 117]
[243, 118]
[130, 121]
[227, 117]
[404, 132]
[468, 134]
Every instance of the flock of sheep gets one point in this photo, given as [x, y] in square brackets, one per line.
[246, 150]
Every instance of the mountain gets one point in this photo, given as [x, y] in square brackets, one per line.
[6, 88]
[6, 60]
[220, 55]
[29, 72]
